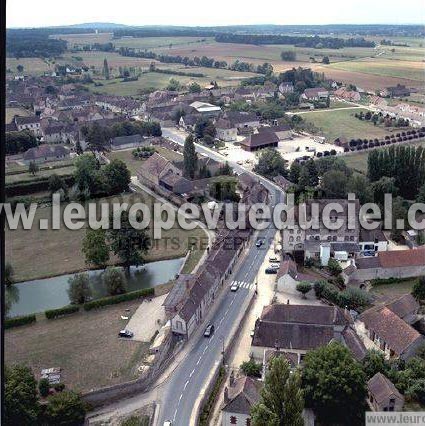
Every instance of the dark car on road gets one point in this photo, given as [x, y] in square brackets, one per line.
[259, 243]
[209, 331]
[271, 270]
[126, 333]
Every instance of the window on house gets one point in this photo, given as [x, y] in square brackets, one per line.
[233, 420]
[351, 238]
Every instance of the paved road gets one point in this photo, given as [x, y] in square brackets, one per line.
[182, 390]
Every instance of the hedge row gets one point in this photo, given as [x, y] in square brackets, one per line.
[17, 321]
[384, 281]
[66, 310]
[39, 185]
[112, 300]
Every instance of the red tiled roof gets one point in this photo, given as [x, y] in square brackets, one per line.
[400, 258]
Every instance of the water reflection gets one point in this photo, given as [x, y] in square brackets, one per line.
[50, 293]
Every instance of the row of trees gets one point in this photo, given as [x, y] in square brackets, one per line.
[380, 118]
[296, 40]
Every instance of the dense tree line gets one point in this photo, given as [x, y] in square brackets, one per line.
[406, 164]
[17, 142]
[299, 41]
[32, 44]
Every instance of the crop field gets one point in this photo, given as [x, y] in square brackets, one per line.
[81, 39]
[409, 70]
[334, 124]
[32, 66]
[160, 42]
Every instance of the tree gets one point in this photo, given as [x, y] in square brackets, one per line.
[421, 194]
[288, 55]
[251, 368]
[418, 291]
[334, 385]
[8, 274]
[294, 172]
[105, 71]
[20, 396]
[334, 267]
[79, 290]
[281, 401]
[399, 213]
[78, 147]
[313, 173]
[375, 362]
[127, 243]
[117, 176]
[44, 387]
[325, 60]
[65, 408]
[20, 68]
[334, 184]
[384, 185]
[304, 287]
[270, 164]
[95, 248]
[190, 158]
[56, 183]
[114, 281]
[174, 85]
[195, 88]
[96, 136]
[360, 186]
[85, 172]
[33, 168]
[225, 170]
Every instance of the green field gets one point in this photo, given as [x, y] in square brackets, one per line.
[385, 67]
[11, 112]
[32, 66]
[39, 253]
[66, 168]
[334, 124]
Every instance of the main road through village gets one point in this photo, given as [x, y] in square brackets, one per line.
[182, 390]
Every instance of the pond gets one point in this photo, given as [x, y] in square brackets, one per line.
[51, 293]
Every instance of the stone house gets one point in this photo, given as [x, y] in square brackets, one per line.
[226, 130]
[155, 167]
[240, 394]
[383, 395]
[45, 153]
[260, 140]
[125, 142]
[382, 329]
[28, 123]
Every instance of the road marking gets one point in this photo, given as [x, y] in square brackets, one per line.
[199, 361]
[185, 385]
[191, 373]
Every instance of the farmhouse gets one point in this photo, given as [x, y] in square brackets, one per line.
[286, 87]
[242, 119]
[382, 329]
[45, 153]
[155, 167]
[206, 109]
[315, 94]
[383, 395]
[28, 123]
[261, 140]
[188, 122]
[226, 130]
[399, 91]
[391, 264]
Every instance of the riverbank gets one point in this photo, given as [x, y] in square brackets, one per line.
[36, 253]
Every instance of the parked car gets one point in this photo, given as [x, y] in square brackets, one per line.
[274, 266]
[126, 333]
[274, 259]
[209, 331]
[271, 270]
[234, 286]
[369, 253]
[168, 423]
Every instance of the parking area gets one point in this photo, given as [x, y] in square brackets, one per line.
[301, 145]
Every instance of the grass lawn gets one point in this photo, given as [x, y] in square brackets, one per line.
[84, 344]
[39, 253]
[395, 289]
[26, 177]
[335, 124]
[358, 160]
[32, 66]
[11, 112]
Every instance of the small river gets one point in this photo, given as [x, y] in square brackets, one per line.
[50, 293]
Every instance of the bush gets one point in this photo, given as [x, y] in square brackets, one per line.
[251, 368]
[115, 281]
[334, 267]
[304, 287]
[17, 321]
[319, 286]
[105, 301]
[44, 387]
[56, 313]
[59, 387]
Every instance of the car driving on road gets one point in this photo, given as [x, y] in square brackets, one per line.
[234, 287]
[209, 331]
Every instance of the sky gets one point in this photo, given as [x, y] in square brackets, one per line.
[40, 13]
